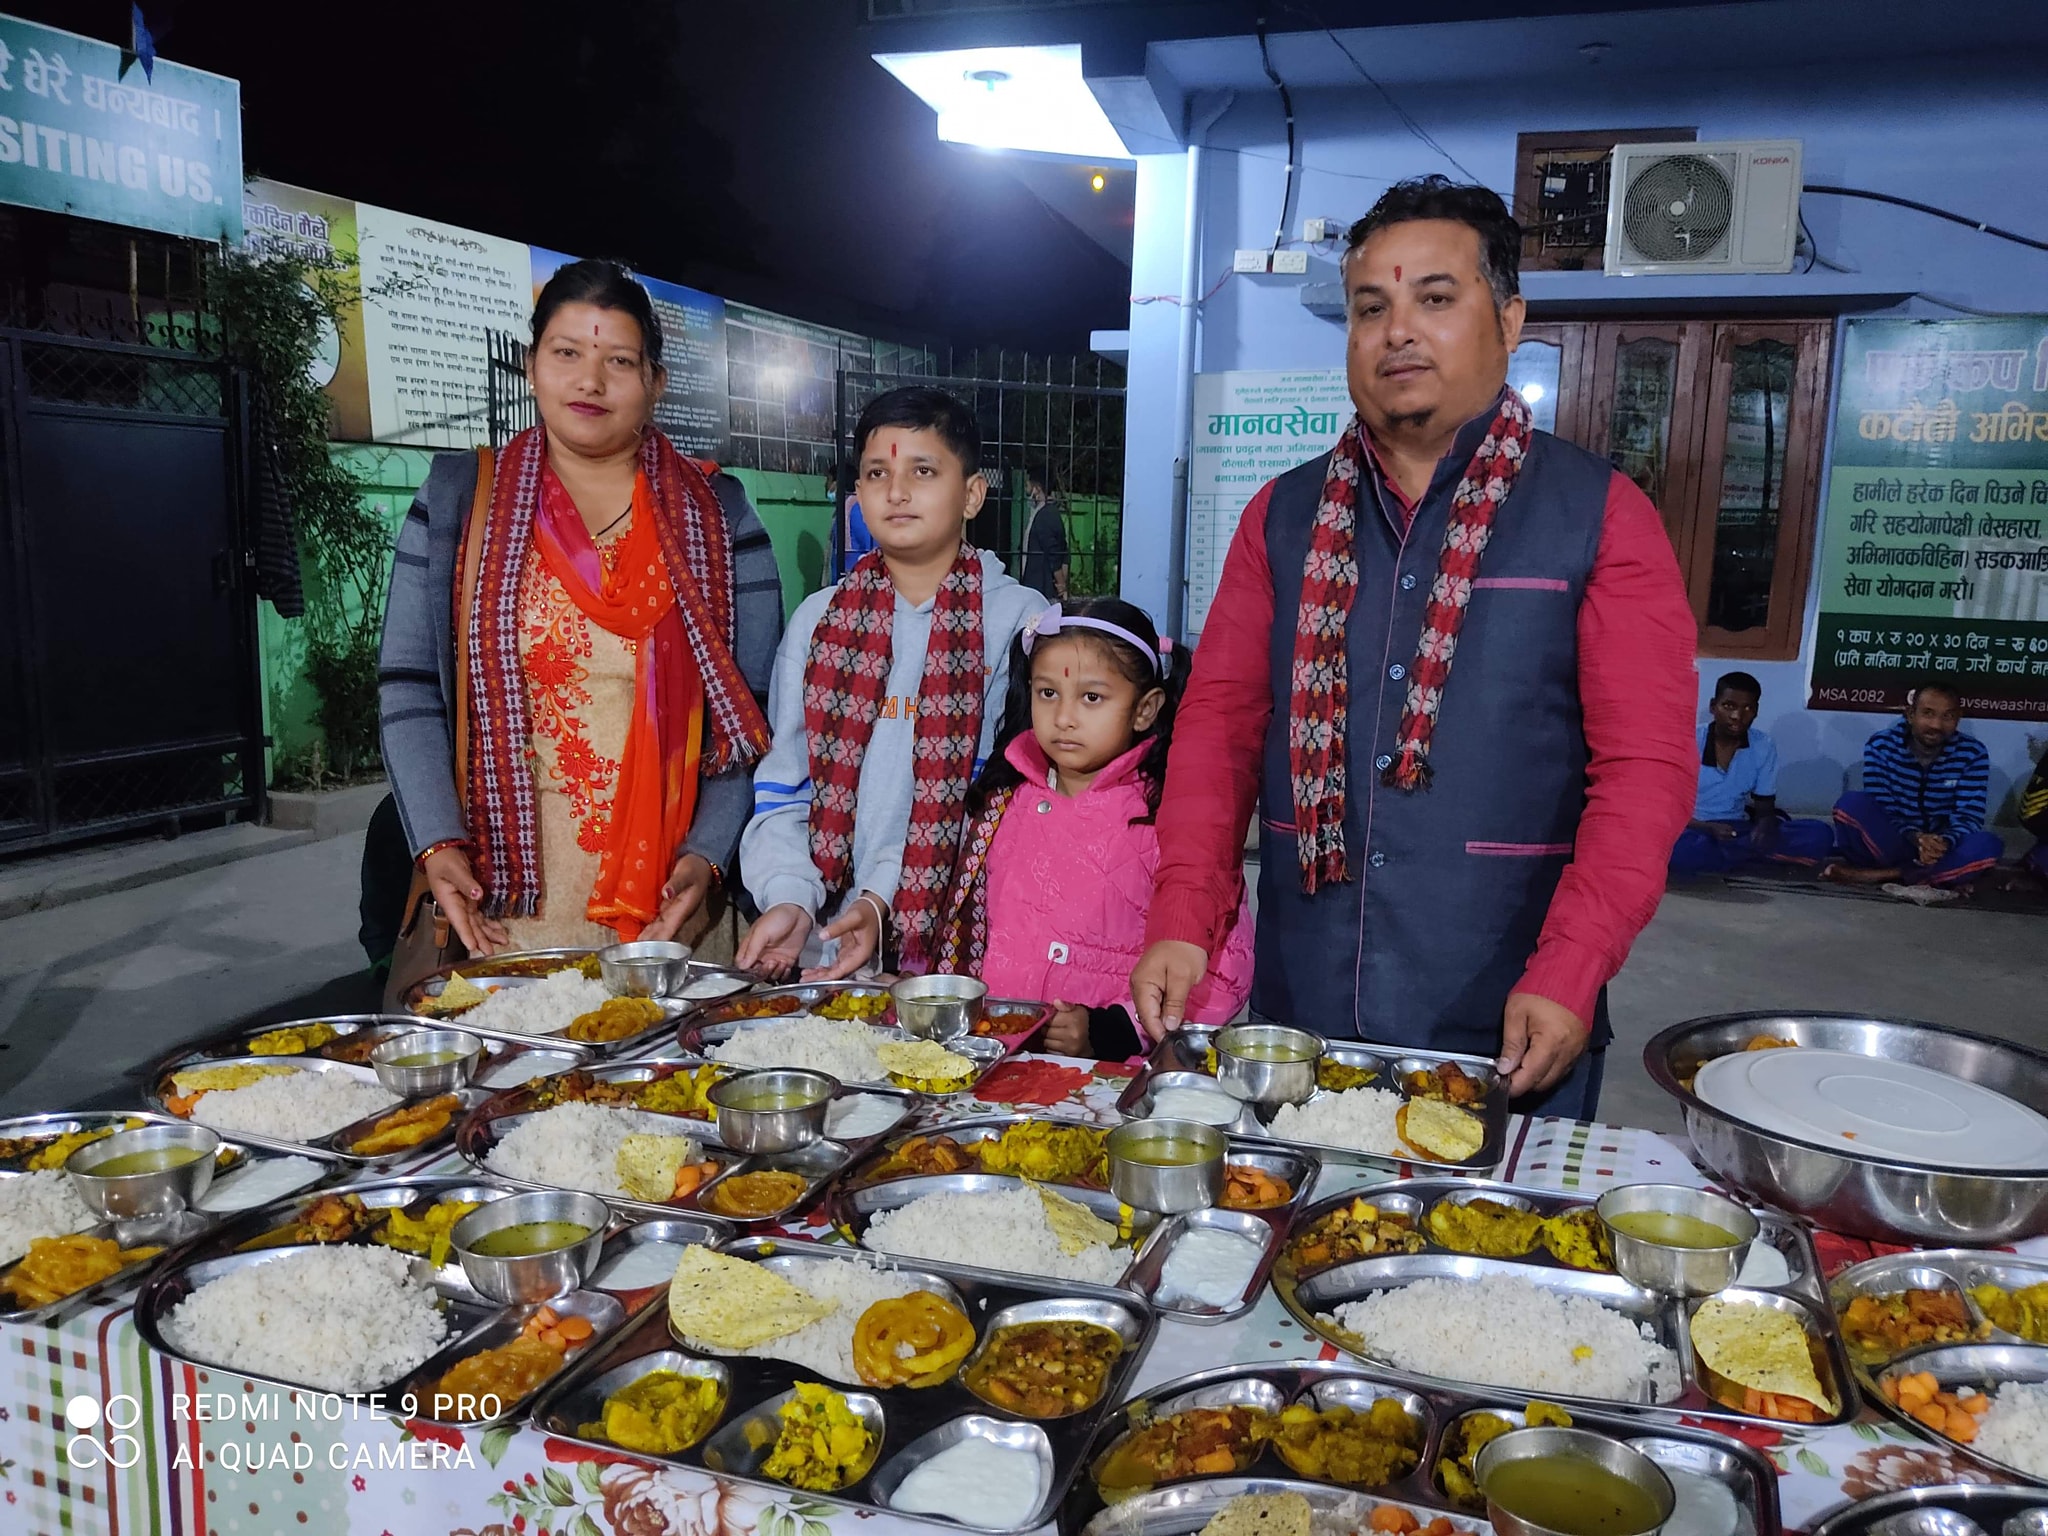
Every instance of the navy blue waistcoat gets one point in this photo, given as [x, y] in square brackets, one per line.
[1449, 885]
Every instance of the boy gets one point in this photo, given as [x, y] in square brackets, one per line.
[1919, 818]
[1735, 819]
[888, 690]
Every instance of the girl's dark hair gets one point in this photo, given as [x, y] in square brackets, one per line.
[607, 285]
[1142, 670]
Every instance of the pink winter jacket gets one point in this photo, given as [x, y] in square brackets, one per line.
[1069, 885]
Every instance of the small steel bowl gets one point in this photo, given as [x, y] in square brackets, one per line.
[940, 1008]
[650, 968]
[407, 1082]
[537, 1276]
[1576, 1444]
[126, 1196]
[1670, 1270]
[777, 1110]
[1267, 1064]
[1169, 1188]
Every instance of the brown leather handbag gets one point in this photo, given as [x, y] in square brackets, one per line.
[426, 941]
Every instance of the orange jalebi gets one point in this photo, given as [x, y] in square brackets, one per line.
[917, 1340]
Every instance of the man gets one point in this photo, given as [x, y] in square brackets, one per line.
[850, 528]
[1735, 820]
[1044, 541]
[1919, 817]
[1454, 857]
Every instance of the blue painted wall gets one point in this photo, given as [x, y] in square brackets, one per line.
[1962, 132]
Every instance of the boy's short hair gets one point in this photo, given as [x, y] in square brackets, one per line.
[1741, 682]
[1937, 682]
[920, 408]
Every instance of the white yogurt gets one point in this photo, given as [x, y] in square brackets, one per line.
[1208, 1267]
[1705, 1506]
[713, 986]
[861, 1114]
[268, 1179]
[1764, 1266]
[1207, 1105]
[977, 1482]
[644, 1264]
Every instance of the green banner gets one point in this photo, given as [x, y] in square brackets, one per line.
[1935, 550]
[79, 136]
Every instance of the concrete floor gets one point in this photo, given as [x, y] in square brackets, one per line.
[92, 992]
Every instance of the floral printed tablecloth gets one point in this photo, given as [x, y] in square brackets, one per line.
[303, 1463]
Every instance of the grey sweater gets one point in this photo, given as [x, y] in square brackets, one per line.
[416, 671]
[776, 852]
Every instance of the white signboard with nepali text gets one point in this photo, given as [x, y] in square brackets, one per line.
[1248, 428]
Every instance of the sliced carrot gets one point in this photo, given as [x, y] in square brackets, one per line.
[574, 1328]
[1933, 1415]
[1961, 1425]
[1393, 1521]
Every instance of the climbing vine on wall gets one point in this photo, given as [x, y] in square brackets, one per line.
[274, 313]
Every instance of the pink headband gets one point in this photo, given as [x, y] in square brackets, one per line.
[1052, 621]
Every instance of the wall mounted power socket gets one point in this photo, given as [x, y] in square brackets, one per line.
[1249, 261]
[1292, 263]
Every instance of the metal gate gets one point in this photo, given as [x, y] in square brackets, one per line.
[1057, 417]
[128, 670]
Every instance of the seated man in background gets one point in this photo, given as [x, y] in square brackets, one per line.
[1735, 819]
[1919, 817]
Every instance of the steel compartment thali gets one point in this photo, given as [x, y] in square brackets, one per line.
[337, 1146]
[1991, 1357]
[524, 967]
[857, 1197]
[24, 1136]
[508, 1060]
[488, 1123]
[1182, 1507]
[711, 1024]
[913, 1422]
[1182, 1060]
[475, 1323]
[1312, 1298]
[1836, 1186]
[1990, 1509]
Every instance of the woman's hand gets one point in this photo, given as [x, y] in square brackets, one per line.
[689, 887]
[859, 932]
[458, 894]
[1067, 1034]
[776, 941]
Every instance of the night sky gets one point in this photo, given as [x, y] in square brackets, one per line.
[752, 149]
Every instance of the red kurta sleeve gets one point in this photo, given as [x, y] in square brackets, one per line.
[1212, 771]
[1639, 696]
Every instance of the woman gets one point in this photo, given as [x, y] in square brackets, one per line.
[603, 619]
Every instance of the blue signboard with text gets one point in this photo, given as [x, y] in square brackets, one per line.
[79, 136]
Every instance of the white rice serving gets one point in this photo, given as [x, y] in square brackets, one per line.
[1005, 1230]
[1361, 1119]
[337, 1319]
[845, 1048]
[2015, 1431]
[1506, 1332]
[297, 1106]
[34, 1205]
[826, 1346]
[575, 1146]
[544, 1007]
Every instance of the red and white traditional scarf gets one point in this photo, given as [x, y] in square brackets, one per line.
[844, 680]
[502, 811]
[1320, 696]
[963, 926]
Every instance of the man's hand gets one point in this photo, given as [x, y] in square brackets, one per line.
[688, 888]
[458, 894]
[1166, 973]
[1539, 1041]
[859, 932]
[776, 941]
[1928, 847]
[1720, 830]
[1067, 1034]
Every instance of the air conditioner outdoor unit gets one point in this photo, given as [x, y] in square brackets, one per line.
[1720, 207]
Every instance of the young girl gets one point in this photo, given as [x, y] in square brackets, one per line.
[1055, 874]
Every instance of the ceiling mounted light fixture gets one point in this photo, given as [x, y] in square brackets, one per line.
[1032, 99]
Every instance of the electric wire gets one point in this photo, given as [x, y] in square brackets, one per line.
[1931, 211]
[1287, 106]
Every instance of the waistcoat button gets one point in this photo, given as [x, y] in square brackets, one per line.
[1376, 858]
[1397, 671]
[1408, 582]
[1384, 761]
